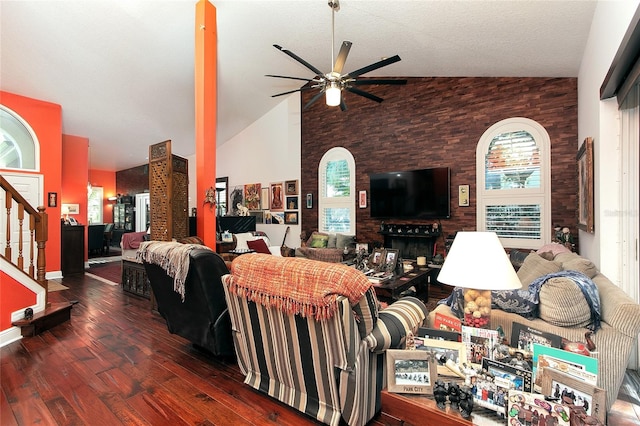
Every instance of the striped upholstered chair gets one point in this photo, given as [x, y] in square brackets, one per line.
[309, 334]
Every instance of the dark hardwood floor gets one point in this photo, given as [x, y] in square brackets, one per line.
[115, 363]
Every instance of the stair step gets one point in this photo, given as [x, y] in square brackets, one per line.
[55, 314]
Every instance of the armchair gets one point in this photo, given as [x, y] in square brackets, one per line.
[309, 334]
[95, 238]
[185, 279]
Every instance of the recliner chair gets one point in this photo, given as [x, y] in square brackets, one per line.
[202, 317]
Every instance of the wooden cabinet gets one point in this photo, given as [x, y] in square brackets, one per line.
[134, 279]
[72, 249]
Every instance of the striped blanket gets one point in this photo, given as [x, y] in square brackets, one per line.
[296, 286]
[171, 256]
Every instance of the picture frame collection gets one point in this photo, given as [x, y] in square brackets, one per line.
[553, 375]
[274, 203]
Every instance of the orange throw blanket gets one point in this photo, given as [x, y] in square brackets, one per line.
[296, 286]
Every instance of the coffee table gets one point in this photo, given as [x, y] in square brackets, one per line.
[391, 290]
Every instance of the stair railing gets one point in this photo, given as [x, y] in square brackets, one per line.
[38, 221]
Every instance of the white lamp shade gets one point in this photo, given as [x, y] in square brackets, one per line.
[333, 95]
[478, 260]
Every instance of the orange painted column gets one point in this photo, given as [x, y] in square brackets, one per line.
[206, 107]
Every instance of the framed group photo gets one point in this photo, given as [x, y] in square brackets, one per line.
[410, 371]
[573, 391]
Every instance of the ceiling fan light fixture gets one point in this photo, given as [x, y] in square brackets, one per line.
[333, 94]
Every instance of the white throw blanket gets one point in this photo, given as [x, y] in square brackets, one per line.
[171, 256]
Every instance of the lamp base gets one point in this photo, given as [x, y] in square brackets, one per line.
[477, 308]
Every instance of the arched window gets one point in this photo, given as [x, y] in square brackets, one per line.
[337, 187]
[513, 177]
[19, 147]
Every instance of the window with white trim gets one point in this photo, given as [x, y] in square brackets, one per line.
[513, 178]
[19, 147]
[336, 186]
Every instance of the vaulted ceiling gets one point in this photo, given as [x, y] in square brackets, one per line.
[123, 71]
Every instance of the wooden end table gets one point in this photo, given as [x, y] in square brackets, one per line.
[391, 290]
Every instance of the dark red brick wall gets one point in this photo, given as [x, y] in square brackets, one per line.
[433, 122]
[133, 181]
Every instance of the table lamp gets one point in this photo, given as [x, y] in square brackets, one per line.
[478, 263]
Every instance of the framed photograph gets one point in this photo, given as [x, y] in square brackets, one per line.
[53, 199]
[565, 361]
[520, 378]
[276, 197]
[410, 371]
[572, 391]
[292, 203]
[436, 334]
[291, 218]
[585, 186]
[377, 258]
[495, 386]
[479, 343]
[291, 187]
[362, 199]
[455, 351]
[523, 338]
[391, 259]
[252, 195]
[309, 201]
[73, 221]
[264, 199]
[362, 247]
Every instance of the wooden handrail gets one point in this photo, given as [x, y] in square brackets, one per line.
[38, 221]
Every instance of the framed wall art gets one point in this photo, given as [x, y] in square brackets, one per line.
[410, 371]
[362, 199]
[291, 218]
[585, 186]
[53, 199]
[291, 187]
[277, 197]
[309, 201]
[292, 203]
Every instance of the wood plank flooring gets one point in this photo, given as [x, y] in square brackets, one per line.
[115, 363]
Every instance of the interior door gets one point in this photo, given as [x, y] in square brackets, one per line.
[30, 187]
[142, 212]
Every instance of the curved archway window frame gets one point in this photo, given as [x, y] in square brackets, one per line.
[336, 208]
[524, 211]
[22, 138]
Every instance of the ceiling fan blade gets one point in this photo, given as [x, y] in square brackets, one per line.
[314, 99]
[365, 94]
[343, 106]
[375, 66]
[377, 81]
[292, 78]
[299, 59]
[302, 89]
[342, 57]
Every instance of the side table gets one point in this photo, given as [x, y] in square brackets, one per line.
[391, 290]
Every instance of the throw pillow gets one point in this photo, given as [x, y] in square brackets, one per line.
[343, 241]
[562, 303]
[259, 246]
[581, 264]
[319, 241]
[534, 267]
[191, 240]
[554, 248]
[331, 242]
[241, 240]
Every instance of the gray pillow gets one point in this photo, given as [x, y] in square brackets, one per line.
[343, 241]
[331, 243]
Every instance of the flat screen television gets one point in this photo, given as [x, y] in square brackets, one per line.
[413, 194]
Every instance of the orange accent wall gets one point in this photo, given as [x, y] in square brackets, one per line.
[45, 119]
[75, 177]
[14, 297]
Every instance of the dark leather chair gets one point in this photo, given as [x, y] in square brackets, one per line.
[96, 238]
[202, 318]
[108, 236]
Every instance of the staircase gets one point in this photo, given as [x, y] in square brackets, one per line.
[20, 214]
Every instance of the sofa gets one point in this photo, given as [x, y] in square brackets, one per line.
[185, 279]
[327, 247]
[563, 310]
[310, 334]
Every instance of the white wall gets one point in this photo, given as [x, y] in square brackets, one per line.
[599, 119]
[267, 151]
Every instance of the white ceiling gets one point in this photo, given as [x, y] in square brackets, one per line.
[123, 70]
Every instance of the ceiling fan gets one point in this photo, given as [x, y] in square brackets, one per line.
[333, 83]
